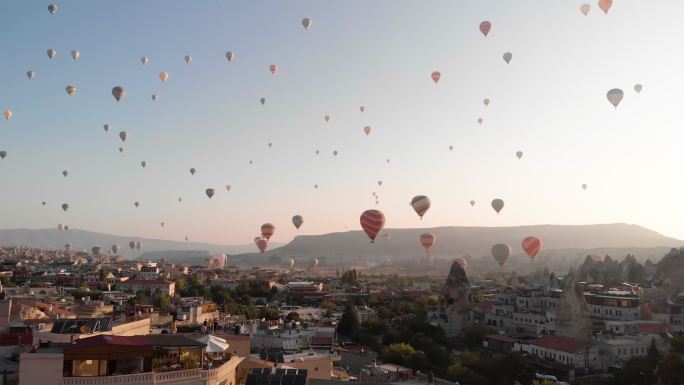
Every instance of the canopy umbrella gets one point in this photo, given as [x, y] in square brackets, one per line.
[214, 344]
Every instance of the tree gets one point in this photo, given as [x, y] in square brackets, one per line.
[671, 369]
[141, 298]
[653, 353]
[678, 344]
[397, 353]
[349, 323]
[162, 300]
[269, 313]
[416, 361]
[293, 316]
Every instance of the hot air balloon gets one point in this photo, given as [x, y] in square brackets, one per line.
[270, 144]
[501, 252]
[154, 97]
[186, 238]
[362, 108]
[427, 240]
[497, 205]
[532, 246]
[451, 148]
[131, 244]
[31, 74]
[262, 244]
[123, 135]
[372, 222]
[60, 227]
[507, 56]
[163, 76]
[136, 204]
[188, 59]
[605, 5]
[7, 114]
[297, 221]
[291, 264]
[585, 8]
[228, 187]
[379, 183]
[367, 130]
[436, 75]
[519, 154]
[256, 239]
[273, 68]
[120, 149]
[306, 22]
[335, 153]
[480, 120]
[65, 173]
[472, 203]
[51, 53]
[584, 186]
[107, 127]
[43, 203]
[192, 171]
[485, 27]
[420, 204]
[67, 247]
[118, 93]
[262, 101]
[66, 227]
[316, 186]
[209, 192]
[461, 262]
[326, 118]
[115, 249]
[65, 207]
[317, 152]
[96, 250]
[52, 8]
[161, 224]
[267, 230]
[180, 199]
[230, 55]
[138, 245]
[486, 102]
[143, 164]
[3, 154]
[70, 90]
[75, 54]
[638, 87]
[615, 96]
[144, 60]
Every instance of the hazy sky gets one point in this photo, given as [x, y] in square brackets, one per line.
[549, 102]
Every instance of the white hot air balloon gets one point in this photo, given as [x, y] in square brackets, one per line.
[144, 60]
[30, 74]
[188, 59]
[638, 87]
[585, 8]
[52, 8]
[70, 89]
[75, 54]
[51, 53]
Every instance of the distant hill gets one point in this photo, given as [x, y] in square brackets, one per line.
[560, 241]
[81, 239]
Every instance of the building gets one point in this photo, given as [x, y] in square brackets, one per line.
[613, 305]
[566, 351]
[135, 285]
[196, 310]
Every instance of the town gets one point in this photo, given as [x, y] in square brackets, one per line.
[88, 318]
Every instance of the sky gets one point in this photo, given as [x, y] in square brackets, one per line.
[549, 102]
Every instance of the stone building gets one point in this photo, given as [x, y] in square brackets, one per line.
[455, 302]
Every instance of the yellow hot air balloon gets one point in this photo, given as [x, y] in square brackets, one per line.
[163, 76]
[7, 114]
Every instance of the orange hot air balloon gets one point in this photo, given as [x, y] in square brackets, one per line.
[461, 262]
[532, 246]
[262, 244]
[485, 27]
[267, 230]
[367, 130]
[436, 76]
[273, 68]
[428, 240]
[605, 5]
[372, 222]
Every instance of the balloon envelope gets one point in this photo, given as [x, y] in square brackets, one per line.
[472, 203]
[138, 245]
[519, 154]
[584, 186]
[638, 87]
[436, 75]
[585, 8]
[485, 27]
[144, 60]
[427, 240]
[209, 192]
[31, 74]
[497, 205]
[192, 171]
[615, 96]
[367, 130]
[51, 53]
[118, 93]
[273, 68]
[70, 89]
[501, 252]
[7, 114]
[507, 57]
[65, 206]
[230, 55]
[532, 246]
[131, 244]
[306, 22]
[75, 54]
[297, 221]
[123, 135]
[52, 8]
[262, 244]
[3, 154]
[267, 230]
[372, 222]
[115, 249]
[188, 59]
[164, 76]
[60, 227]
[107, 127]
[605, 5]
[420, 204]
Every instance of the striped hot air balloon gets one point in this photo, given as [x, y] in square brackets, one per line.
[420, 204]
[267, 230]
[372, 222]
[532, 246]
[262, 244]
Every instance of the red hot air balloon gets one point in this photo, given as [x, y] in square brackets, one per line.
[262, 244]
[436, 76]
[273, 68]
[462, 262]
[532, 246]
[372, 222]
[427, 240]
[267, 230]
[605, 5]
[485, 27]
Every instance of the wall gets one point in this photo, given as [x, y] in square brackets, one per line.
[41, 368]
[134, 328]
[239, 342]
[318, 368]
